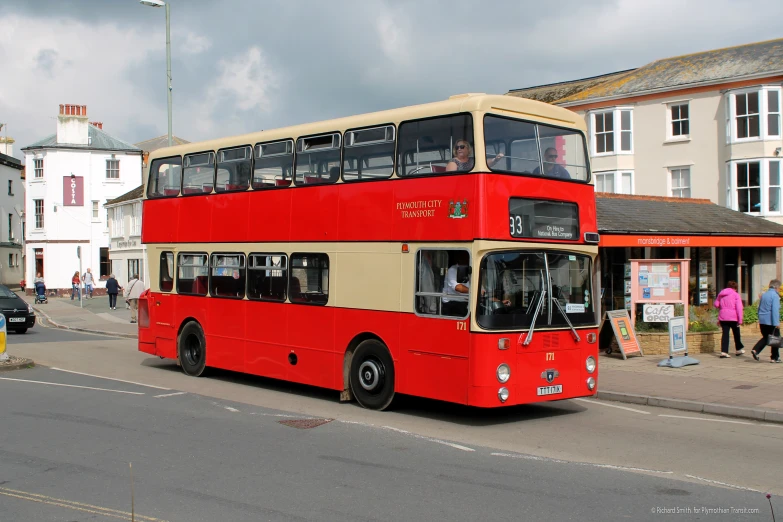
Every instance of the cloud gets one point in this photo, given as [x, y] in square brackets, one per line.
[194, 44]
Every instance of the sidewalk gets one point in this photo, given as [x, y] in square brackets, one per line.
[95, 316]
[739, 386]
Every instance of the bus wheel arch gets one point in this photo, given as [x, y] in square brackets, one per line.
[192, 348]
[368, 372]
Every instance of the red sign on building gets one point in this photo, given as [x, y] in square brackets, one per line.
[73, 191]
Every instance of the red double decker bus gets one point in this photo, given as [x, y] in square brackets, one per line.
[443, 250]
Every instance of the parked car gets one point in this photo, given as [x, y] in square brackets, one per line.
[19, 316]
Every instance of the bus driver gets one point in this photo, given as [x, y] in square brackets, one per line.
[453, 286]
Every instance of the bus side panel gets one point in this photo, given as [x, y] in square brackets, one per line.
[266, 334]
[385, 325]
[156, 212]
[195, 219]
[497, 190]
[425, 209]
[270, 215]
[224, 330]
[314, 213]
[233, 211]
[190, 307]
[436, 357]
[365, 211]
[311, 338]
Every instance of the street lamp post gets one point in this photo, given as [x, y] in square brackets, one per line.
[160, 3]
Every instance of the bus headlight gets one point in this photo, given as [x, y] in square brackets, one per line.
[503, 372]
[590, 364]
[590, 383]
[503, 394]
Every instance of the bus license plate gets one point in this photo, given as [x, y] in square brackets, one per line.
[16, 319]
[550, 390]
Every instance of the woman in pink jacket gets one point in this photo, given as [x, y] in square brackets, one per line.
[730, 316]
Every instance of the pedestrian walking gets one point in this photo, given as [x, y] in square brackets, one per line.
[89, 284]
[769, 320]
[112, 288]
[730, 317]
[76, 284]
[132, 293]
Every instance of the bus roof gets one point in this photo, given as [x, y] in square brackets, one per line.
[500, 104]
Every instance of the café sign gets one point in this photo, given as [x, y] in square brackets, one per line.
[73, 191]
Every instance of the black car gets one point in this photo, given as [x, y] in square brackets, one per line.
[19, 316]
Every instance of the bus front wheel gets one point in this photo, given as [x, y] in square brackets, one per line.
[192, 348]
[372, 375]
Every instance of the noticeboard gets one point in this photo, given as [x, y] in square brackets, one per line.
[659, 282]
[624, 332]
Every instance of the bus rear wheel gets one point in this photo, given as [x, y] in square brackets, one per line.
[192, 348]
[372, 375]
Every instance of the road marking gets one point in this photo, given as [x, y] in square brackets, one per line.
[110, 379]
[590, 464]
[229, 408]
[721, 420]
[78, 506]
[71, 386]
[723, 483]
[169, 395]
[430, 439]
[613, 406]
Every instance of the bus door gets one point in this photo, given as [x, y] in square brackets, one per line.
[161, 307]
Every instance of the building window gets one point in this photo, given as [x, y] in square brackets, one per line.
[134, 268]
[681, 182]
[112, 169]
[117, 222]
[614, 182]
[10, 227]
[38, 164]
[680, 125]
[773, 203]
[10, 260]
[95, 210]
[612, 131]
[10, 187]
[105, 263]
[754, 114]
[39, 213]
[136, 220]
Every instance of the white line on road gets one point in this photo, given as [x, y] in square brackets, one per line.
[437, 441]
[111, 379]
[614, 406]
[721, 420]
[722, 483]
[169, 395]
[229, 408]
[558, 461]
[71, 386]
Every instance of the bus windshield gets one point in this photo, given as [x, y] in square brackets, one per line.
[534, 149]
[512, 284]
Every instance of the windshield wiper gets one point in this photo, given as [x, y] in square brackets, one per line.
[560, 307]
[532, 329]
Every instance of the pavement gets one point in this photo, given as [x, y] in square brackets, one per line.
[737, 387]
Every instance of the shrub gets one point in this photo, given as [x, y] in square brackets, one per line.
[750, 314]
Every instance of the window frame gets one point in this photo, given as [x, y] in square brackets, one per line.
[285, 270]
[39, 216]
[163, 259]
[165, 160]
[303, 153]
[764, 185]
[10, 187]
[217, 167]
[278, 155]
[242, 270]
[393, 141]
[10, 227]
[763, 115]
[182, 175]
[472, 141]
[177, 279]
[110, 170]
[617, 131]
[688, 187]
[671, 121]
[617, 181]
[290, 277]
[441, 294]
[38, 168]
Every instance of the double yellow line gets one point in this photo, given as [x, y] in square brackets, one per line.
[77, 506]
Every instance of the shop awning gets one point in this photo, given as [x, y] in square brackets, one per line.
[649, 221]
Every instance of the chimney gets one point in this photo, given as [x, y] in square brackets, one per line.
[98, 124]
[72, 125]
[7, 145]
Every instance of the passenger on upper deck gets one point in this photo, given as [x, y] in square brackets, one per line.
[552, 169]
[462, 160]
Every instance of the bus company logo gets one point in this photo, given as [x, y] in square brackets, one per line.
[458, 210]
[550, 375]
[418, 209]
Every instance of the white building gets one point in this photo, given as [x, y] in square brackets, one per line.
[12, 258]
[126, 252]
[69, 176]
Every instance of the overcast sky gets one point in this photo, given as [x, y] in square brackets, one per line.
[246, 65]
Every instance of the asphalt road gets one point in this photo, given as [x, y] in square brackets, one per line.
[68, 441]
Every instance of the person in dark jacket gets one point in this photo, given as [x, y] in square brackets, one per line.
[112, 288]
[769, 320]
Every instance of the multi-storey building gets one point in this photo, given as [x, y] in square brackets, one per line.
[705, 126]
[12, 257]
[70, 175]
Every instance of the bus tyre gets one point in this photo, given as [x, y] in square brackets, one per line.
[192, 349]
[372, 375]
